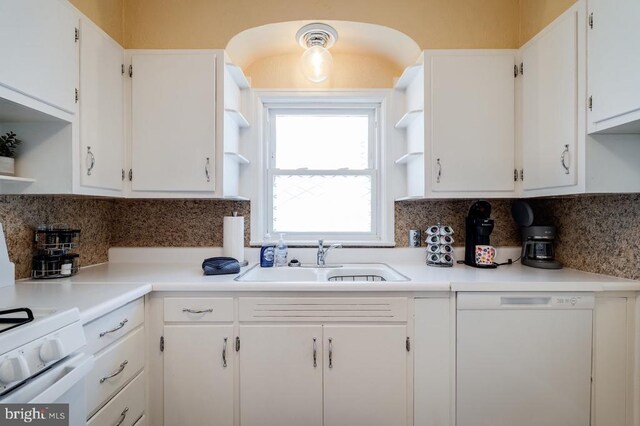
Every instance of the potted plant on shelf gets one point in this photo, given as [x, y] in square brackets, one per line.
[8, 145]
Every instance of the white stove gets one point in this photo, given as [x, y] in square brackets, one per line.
[32, 347]
[41, 360]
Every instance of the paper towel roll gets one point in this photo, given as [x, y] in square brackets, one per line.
[233, 237]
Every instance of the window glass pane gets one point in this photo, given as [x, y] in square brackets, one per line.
[322, 203]
[322, 142]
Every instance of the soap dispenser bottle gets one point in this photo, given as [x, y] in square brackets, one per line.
[282, 252]
[267, 252]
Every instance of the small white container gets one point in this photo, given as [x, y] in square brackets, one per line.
[7, 166]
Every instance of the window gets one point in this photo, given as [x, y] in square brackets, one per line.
[323, 171]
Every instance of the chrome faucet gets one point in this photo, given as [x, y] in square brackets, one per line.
[322, 252]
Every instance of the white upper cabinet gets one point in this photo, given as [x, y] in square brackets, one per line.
[39, 51]
[101, 109]
[614, 61]
[173, 110]
[551, 127]
[470, 127]
[457, 124]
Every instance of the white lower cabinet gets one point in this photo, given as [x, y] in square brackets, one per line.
[116, 386]
[198, 375]
[365, 375]
[125, 409]
[281, 375]
[612, 401]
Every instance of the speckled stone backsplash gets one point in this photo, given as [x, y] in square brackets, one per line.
[174, 223]
[598, 234]
[595, 233]
[422, 214]
[20, 215]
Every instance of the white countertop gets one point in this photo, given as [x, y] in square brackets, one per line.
[132, 273]
[93, 300]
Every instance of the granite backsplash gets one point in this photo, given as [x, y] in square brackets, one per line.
[595, 233]
[21, 214]
[599, 234]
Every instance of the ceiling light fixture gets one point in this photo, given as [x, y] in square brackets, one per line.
[317, 39]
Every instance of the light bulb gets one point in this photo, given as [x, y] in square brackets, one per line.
[316, 64]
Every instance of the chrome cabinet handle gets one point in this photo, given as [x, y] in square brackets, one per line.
[123, 416]
[120, 370]
[330, 352]
[224, 353]
[315, 353]
[562, 159]
[439, 170]
[197, 311]
[207, 170]
[116, 328]
[91, 159]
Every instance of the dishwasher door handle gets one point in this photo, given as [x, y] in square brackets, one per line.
[525, 301]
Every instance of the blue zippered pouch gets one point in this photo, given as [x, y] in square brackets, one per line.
[220, 266]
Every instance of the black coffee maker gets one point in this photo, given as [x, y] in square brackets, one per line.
[478, 227]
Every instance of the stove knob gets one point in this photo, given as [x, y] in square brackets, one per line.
[14, 370]
[51, 350]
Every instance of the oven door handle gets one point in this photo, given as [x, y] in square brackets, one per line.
[76, 370]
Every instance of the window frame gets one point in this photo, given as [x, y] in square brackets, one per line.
[374, 102]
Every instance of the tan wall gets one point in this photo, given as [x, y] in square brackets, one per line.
[107, 14]
[534, 15]
[212, 23]
[349, 72]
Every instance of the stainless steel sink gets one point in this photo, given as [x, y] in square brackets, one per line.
[353, 272]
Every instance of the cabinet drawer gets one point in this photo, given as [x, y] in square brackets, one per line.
[300, 309]
[198, 309]
[125, 408]
[122, 361]
[109, 328]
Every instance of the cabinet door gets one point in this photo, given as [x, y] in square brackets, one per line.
[198, 384]
[38, 50]
[173, 116]
[614, 60]
[472, 128]
[280, 382]
[612, 383]
[101, 109]
[365, 375]
[550, 108]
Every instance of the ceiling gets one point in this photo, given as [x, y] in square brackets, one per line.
[353, 38]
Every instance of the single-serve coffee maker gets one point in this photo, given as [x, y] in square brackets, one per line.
[478, 227]
[537, 241]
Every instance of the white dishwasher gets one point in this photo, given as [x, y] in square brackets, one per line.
[524, 359]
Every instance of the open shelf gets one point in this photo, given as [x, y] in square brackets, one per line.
[237, 117]
[410, 198]
[14, 179]
[238, 76]
[236, 198]
[237, 157]
[407, 76]
[408, 156]
[408, 118]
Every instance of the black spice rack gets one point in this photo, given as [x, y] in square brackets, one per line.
[54, 244]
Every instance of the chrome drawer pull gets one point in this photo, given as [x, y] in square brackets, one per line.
[197, 311]
[315, 353]
[224, 353]
[123, 416]
[120, 370]
[118, 327]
